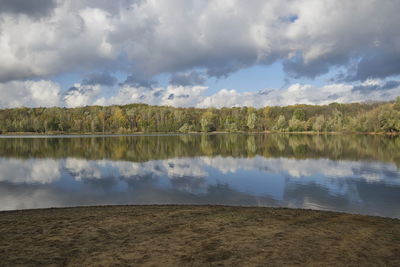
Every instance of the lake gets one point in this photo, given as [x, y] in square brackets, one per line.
[350, 173]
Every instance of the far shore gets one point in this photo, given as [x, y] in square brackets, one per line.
[16, 134]
[179, 235]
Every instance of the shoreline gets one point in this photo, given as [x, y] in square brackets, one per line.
[193, 206]
[106, 206]
[196, 235]
[33, 134]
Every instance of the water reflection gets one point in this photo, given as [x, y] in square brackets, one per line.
[319, 172]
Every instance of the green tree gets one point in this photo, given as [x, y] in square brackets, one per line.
[118, 119]
[207, 121]
[361, 117]
[185, 128]
[319, 123]
[299, 114]
[297, 125]
[131, 118]
[281, 123]
[396, 105]
[389, 120]
[251, 120]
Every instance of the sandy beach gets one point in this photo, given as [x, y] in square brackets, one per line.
[196, 236]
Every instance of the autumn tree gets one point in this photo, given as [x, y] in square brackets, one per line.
[207, 121]
[251, 120]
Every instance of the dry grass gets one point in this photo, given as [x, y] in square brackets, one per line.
[196, 236]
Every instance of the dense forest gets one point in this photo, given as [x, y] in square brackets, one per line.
[132, 118]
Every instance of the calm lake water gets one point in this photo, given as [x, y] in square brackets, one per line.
[351, 173]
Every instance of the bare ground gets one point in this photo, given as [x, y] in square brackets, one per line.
[196, 236]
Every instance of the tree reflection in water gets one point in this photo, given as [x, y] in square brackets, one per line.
[354, 173]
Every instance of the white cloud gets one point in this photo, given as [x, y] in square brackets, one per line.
[81, 95]
[47, 93]
[183, 96]
[29, 93]
[84, 169]
[129, 94]
[172, 168]
[192, 39]
[327, 169]
[301, 94]
[29, 171]
[172, 95]
[278, 177]
[64, 41]
[156, 36]
[195, 96]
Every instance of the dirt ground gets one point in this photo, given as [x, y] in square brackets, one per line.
[196, 236]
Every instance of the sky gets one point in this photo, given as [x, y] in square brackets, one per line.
[198, 53]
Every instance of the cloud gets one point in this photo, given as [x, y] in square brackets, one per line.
[47, 93]
[29, 93]
[332, 171]
[178, 96]
[219, 37]
[139, 80]
[187, 78]
[171, 168]
[175, 168]
[192, 41]
[312, 183]
[194, 96]
[81, 95]
[100, 78]
[29, 171]
[377, 65]
[113, 7]
[183, 96]
[65, 41]
[35, 8]
[305, 94]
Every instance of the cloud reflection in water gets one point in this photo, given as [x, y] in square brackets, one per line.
[370, 187]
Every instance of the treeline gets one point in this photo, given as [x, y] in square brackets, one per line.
[354, 117]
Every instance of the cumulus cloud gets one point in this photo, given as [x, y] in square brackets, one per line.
[35, 8]
[332, 171]
[377, 65]
[62, 42]
[192, 41]
[299, 171]
[180, 170]
[179, 96]
[138, 80]
[29, 171]
[306, 94]
[47, 93]
[187, 78]
[100, 169]
[29, 93]
[154, 36]
[100, 78]
[81, 95]
[194, 96]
